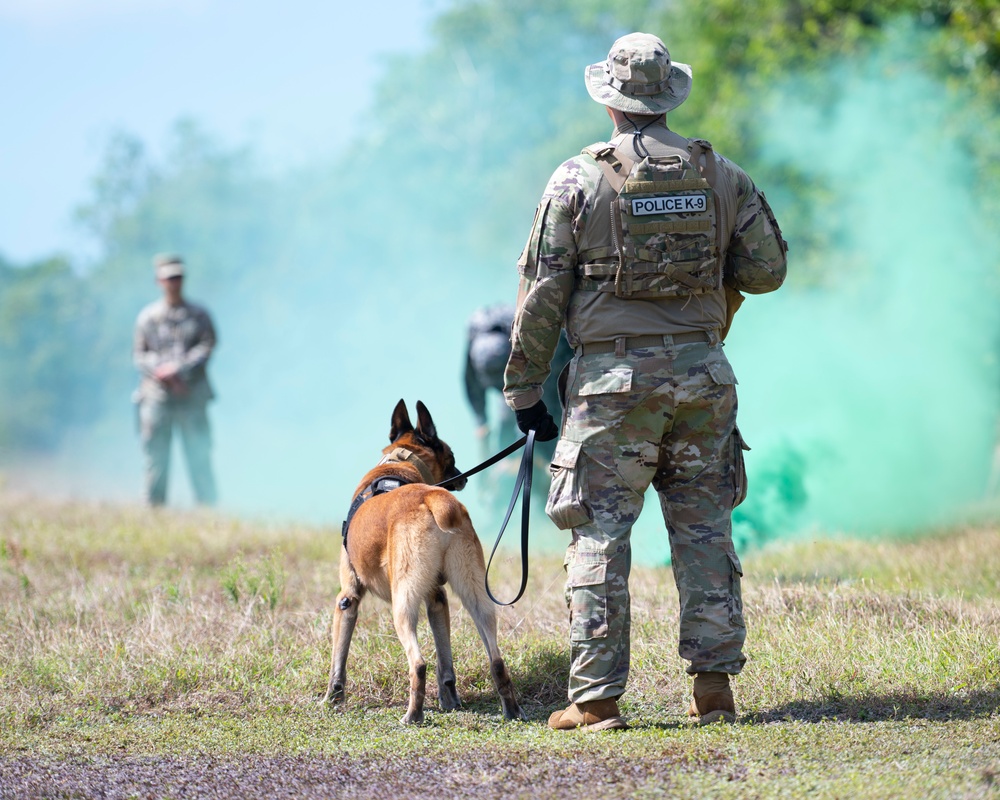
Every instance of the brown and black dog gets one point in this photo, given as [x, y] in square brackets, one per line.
[403, 540]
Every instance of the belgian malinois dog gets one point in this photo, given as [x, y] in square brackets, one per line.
[403, 540]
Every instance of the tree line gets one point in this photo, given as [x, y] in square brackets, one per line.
[469, 129]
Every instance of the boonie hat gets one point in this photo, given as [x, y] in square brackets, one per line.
[168, 265]
[639, 77]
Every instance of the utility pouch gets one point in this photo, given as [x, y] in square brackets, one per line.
[565, 505]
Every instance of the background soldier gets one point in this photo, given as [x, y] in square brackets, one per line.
[486, 354]
[485, 361]
[635, 271]
[173, 341]
[486, 358]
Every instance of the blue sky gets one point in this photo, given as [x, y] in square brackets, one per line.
[289, 77]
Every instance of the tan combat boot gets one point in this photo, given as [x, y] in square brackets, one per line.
[597, 715]
[713, 699]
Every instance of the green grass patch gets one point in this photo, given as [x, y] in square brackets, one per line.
[168, 654]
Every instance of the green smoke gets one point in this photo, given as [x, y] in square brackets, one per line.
[871, 399]
[868, 385]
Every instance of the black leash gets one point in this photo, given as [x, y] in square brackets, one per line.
[523, 481]
[488, 462]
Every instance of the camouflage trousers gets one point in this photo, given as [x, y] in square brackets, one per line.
[661, 415]
[157, 420]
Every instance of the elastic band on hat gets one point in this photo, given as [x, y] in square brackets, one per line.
[636, 89]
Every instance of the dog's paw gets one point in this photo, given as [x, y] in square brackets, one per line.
[415, 718]
[448, 697]
[334, 695]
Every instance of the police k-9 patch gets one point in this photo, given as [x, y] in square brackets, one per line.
[669, 204]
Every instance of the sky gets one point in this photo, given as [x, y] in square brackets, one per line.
[287, 78]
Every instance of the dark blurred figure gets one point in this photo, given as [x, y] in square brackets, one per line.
[173, 342]
[486, 358]
[488, 348]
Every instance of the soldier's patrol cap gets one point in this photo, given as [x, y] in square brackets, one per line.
[168, 265]
[638, 77]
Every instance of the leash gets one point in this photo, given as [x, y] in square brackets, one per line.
[488, 462]
[523, 485]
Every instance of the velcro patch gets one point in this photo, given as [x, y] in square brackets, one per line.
[669, 204]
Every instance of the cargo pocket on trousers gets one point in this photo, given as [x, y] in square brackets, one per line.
[565, 505]
[606, 381]
[739, 467]
[586, 584]
[735, 590]
[722, 372]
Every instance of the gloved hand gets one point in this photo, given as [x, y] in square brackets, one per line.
[538, 419]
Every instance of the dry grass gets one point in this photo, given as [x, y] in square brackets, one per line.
[139, 645]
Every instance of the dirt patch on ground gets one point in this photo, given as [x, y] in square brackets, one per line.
[479, 776]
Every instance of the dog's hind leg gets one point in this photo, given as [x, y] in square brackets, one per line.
[466, 573]
[405, 607]
[439, 616]
[345, 617]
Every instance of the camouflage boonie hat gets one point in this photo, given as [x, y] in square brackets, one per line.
[639, 77]
[168, 265]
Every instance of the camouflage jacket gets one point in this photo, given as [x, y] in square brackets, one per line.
[183, 335]
[548, 299]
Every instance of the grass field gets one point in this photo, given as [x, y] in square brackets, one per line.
[180, 654]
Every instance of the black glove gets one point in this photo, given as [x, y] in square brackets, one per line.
[538, 419]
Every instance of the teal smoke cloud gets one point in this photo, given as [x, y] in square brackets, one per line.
[871, 399]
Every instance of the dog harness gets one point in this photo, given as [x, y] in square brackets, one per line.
[387, 483]
[376, 487]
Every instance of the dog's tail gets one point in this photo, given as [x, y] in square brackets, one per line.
[449, 514]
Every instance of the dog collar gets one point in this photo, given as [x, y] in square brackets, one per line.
[376, 487]
[400, 454]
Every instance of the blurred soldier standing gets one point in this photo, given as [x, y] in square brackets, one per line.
[173, 341]
[635, 248]
[486, 358]
[487, 351]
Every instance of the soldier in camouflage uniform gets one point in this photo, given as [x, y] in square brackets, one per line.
[172, 344]
[639, 249]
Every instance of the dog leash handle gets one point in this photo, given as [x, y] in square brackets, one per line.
[523, 480]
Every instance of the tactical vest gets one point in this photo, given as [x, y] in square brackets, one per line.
[667, 225]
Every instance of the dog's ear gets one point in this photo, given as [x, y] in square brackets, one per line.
[400, 421]
[425, 425]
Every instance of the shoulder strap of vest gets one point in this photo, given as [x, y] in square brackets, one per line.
[615, 165]
[709, 171]
[699, 148]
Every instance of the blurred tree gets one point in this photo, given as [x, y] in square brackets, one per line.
[48, 324]
[743, 50]
[207, 202]
[441, 180]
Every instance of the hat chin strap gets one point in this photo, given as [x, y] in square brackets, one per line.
[640, 148]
